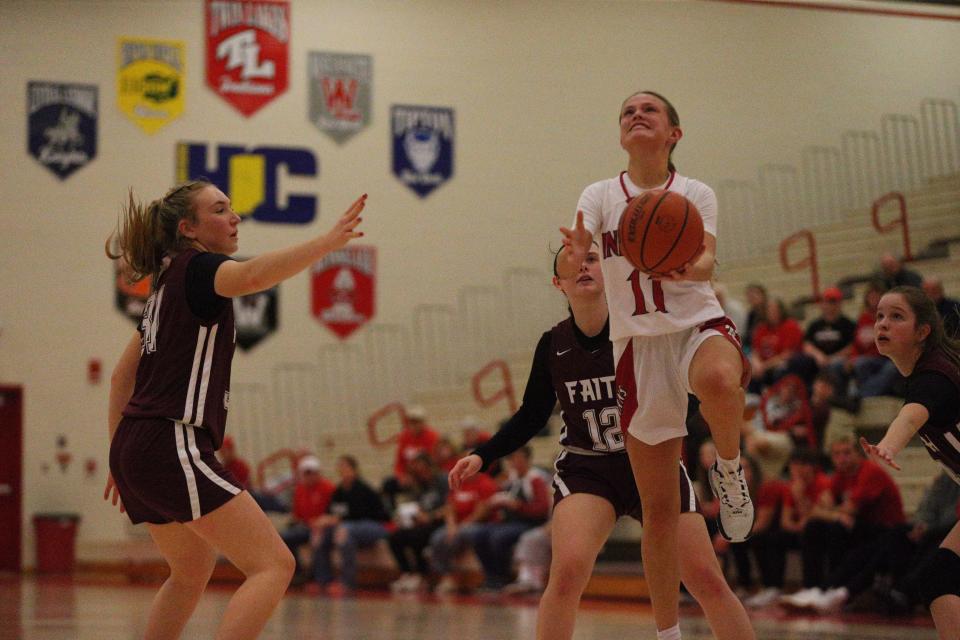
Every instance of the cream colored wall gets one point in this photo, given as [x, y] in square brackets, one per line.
[536, 87]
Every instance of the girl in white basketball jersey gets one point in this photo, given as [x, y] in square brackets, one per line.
[169, 395]
[670, 338]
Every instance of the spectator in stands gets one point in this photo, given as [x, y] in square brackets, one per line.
[445, 455]
[873, 374]
[756, 312]
[234, 463]
[532, 557]
[828, 340]
[776, 339]
[768, 444]
[475, 435]
[948, 308]
[893, 274]
[311, 497]
[355, 518]
[524, 503]
[862, 505]
[467, 507]
[415, 438]
[419, 512]
[797, 497]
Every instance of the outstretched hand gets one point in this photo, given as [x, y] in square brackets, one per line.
[345, 229]
[576, 243]
[112, 493]
[879, 452]
[466, 466]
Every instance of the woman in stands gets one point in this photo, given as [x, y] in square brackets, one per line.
[909, 331]
[169, 395]
[594, 486]
[670, 338]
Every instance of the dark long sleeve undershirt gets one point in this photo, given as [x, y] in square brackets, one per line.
[539, 398]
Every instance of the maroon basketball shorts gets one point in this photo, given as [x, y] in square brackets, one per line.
[611, 478]
[166, 471]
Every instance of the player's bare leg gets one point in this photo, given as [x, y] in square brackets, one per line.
[241, 531]
[703, 577]
[655, 471]
[191, 562]
[946, 609]
[581, 524]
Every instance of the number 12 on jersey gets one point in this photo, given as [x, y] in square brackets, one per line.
[640, 300]
[611, 438]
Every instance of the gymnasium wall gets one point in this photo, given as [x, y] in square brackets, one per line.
[535, 87]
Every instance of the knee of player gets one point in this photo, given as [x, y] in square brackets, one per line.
[703, 578]
[569, 576]
[717, 380]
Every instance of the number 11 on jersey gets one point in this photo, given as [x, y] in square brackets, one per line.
[640, 301]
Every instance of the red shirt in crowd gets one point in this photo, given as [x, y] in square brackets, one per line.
[410, 445]
[811, 492]
[873, 492]
[240, 471]
[787, 337]
[311, 500]
[472, 492]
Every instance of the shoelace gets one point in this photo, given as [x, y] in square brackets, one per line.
[742, 487]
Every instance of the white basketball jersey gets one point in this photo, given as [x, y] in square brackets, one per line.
[639, 305]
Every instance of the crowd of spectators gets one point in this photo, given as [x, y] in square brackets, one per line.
[840, 514]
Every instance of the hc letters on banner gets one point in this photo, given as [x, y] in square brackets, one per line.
[62, 125]
[249, 178]
[422, 146]
[248, 44]
[150, 81]
[255, 316]
[340, 87]
[343, 287]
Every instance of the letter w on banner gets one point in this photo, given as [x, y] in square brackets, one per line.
[248, 45]
[343, 288]
[340, 87]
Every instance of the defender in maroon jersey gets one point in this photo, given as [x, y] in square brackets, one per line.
[909, 331]
[169, 397]
[594, 483]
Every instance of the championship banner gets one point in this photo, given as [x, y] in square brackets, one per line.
[422, 146]
[255, 316]
[62, 125]
[250, 177]
[248, 45]
[340, 88]
[343, 286]
[150, 81]
[130, 297]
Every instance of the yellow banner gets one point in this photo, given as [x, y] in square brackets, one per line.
[150, 80]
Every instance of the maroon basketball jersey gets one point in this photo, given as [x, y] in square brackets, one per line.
[941, 433]
[585, 387]
[184, 371]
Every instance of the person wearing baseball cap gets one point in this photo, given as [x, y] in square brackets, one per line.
[828, 340]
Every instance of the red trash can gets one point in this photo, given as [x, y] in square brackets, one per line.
[55, 535]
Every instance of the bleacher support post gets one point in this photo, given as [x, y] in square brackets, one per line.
[505, 392]
[899, 221]
[810, 260]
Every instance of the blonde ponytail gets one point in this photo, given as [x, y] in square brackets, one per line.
[145, 235]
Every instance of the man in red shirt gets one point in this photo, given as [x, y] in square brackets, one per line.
[862, 506]
[311, 497]
[415, 438]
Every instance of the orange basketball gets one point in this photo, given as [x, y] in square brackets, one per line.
[660, 231]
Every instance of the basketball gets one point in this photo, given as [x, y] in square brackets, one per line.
[660, 231]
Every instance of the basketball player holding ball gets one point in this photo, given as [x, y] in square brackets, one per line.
[168, 402]
[670, 338]
[573, 365]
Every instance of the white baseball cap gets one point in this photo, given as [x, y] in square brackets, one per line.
[308, 463]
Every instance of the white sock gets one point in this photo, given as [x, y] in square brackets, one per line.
[729, 465]
[673, 633]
